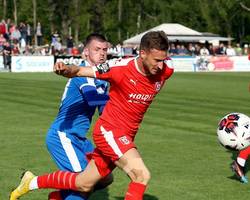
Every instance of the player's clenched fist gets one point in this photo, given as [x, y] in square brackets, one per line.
[68, 71]
[59, 68]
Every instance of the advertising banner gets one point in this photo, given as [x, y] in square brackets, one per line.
[69, 60]
[32, 63]
[183, 63]
[1, 63]
[241, 63]
[222, 63]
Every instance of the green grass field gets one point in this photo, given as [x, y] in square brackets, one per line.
[177, 138]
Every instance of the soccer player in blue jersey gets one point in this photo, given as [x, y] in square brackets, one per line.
[66, 138]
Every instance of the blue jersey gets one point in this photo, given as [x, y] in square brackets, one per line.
[66, 139]
[80, 99]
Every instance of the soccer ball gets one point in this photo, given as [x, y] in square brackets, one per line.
[234, 131]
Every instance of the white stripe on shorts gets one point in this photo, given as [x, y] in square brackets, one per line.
[70, 152]
[109, 137]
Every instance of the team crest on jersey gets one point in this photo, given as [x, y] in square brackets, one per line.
[124, 140]
[157, 86]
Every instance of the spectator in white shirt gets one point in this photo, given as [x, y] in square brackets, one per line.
[230, 51]
[204, 51]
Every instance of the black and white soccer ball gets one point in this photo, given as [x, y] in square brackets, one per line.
[234, 131]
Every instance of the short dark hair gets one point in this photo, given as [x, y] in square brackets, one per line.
[154, 40]
[94, 36]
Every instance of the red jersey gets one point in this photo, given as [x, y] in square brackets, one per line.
[131, 93]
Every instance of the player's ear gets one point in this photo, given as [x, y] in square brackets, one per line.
[86, 51]
[142, 54]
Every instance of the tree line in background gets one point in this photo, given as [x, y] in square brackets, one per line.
[121, 19]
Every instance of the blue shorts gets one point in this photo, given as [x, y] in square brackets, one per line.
[68, 151]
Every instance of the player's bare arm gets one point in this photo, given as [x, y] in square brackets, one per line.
[73, 71]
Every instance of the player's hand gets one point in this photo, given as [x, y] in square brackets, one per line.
[61, 69]
[103, 68]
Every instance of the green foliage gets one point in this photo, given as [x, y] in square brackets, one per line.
[25, 6]
[224, 17]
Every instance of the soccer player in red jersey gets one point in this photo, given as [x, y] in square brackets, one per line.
[132, 89]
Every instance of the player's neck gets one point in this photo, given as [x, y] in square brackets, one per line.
[140, 67]
[89, 62]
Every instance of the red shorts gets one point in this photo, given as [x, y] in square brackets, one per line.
[111, 143]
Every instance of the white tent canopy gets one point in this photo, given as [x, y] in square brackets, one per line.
[177, 32]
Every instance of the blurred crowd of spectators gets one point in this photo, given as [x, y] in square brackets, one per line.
[23, 40]
[189, 49]
[206, 49]
[19, 38]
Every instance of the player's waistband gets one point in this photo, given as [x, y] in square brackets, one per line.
[109, 126]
